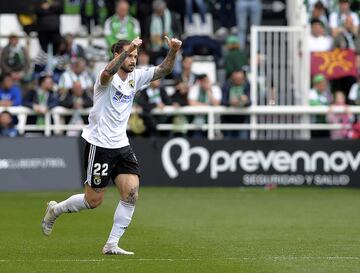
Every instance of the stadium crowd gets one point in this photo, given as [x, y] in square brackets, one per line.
[335, 25]
[62, 75]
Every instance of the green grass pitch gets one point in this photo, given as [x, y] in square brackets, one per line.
[208, 230]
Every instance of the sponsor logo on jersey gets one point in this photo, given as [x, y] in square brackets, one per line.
[120, 97]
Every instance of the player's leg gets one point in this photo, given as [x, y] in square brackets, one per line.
[92, 198]
[128, 186]
[94, 191]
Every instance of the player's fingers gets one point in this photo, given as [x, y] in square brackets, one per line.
[167, 39]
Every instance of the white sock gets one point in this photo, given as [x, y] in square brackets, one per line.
[74, 203]
[122, 218]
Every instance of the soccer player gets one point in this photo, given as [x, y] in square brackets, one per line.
[108, 153]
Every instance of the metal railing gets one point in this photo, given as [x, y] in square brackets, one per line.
[213, 113]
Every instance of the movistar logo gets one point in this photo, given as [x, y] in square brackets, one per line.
[251, 161]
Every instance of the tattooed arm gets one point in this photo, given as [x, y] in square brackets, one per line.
[167, 65]
[112, 68]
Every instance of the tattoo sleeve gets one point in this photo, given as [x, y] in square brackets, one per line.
[166, 66]
[115, 64]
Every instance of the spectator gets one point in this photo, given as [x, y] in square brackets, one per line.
[235, 57]
[7, 128]
[121, 26]
[354, 94]
[72, 49]
[227, 18]
[236, 93]
[189, 10]
[346, 38]
[161, 25]
[329, 5]
[143, 59]
[319, 95]
[319, 13]
[76, 99]
[77, 73]
[41, 100]
[153, 97]
[344, 119]
[90, 12]
[48, 23]
[318, 40]
[202, 94]
[337, 18]
[203, 46]
[15, 59]
[52, 64]
[184, 82]
[10, 93]
[247, 9]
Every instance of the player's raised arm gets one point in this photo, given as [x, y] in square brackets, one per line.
[167, 65]
[114, 65]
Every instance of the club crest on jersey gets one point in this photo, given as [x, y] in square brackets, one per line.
[97, 180]
[132, 83]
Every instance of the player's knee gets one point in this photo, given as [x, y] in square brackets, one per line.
[94, 202]
[132, 196]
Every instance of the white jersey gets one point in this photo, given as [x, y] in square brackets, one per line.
[112, 108]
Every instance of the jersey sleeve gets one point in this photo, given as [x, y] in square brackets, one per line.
[98, 87]
[143, 76]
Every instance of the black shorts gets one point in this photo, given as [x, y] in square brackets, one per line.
[102, 163]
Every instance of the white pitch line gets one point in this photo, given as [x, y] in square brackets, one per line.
[274, 258]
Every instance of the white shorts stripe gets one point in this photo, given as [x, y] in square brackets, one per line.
[90, 164]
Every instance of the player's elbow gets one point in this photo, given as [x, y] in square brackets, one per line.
[105, 77]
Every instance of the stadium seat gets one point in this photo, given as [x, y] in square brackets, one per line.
[70, 24]
[198, 28]
[84, 42]
[34, 47]
[205, 67]
[99, 42]
[9, 23]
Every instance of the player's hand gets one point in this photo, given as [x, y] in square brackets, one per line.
[135, 44]
[174, 43]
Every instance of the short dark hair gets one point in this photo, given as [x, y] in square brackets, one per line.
[118, 47]
[43, 77]
[316, 21]
[5, 113]
[319, 5]
[4, 76]
[200, 77]
[118, 1]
